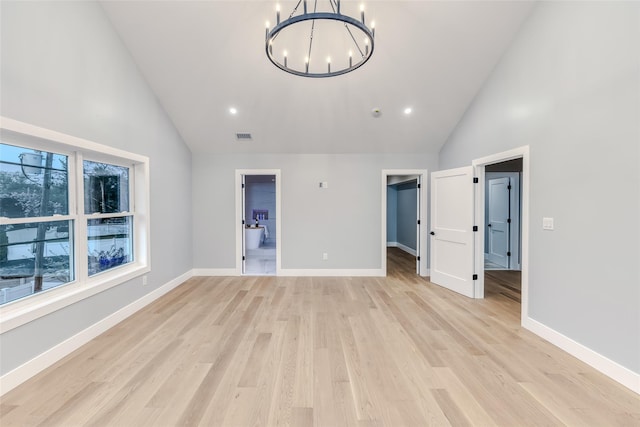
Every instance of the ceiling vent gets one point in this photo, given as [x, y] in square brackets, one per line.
[243, 136]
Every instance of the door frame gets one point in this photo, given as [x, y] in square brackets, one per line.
[479, 168]
[240, 173]
[422, 248]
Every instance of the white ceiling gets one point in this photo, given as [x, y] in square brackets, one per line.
[203, 57]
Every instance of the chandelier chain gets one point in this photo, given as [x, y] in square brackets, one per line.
[313, 26]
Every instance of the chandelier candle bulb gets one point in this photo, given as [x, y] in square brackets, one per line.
[338, 7]
[277, 14]
[362, 13]
[350, 59]
[305, 6]
[373, 29]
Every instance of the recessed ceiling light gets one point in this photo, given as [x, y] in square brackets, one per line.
[233, 110]
[408, 110]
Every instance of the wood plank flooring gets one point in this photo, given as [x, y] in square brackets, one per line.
[350, 351]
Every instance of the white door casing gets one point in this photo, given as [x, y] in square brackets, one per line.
[452, 240]
[240, 174]
[498, 221]
[418, 224]
[244, 222]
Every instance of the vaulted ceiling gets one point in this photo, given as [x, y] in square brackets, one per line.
[203, 57]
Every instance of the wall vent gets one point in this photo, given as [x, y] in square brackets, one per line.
[243, 136]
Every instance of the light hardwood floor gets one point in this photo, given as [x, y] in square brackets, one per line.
[269, 351]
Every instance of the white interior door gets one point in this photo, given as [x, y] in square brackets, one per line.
[497, 221]
[452, 229]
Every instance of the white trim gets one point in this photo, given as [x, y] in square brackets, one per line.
[608, 367]
[214, 272]
[301, 272]
[240, 214]
[424, 255]
[22, 373]
[60, 141]
[405, 248]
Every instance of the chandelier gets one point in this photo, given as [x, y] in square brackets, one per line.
[319, 43]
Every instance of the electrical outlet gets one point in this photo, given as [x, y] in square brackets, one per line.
[325, 256]
[144, 280]
[547, 223]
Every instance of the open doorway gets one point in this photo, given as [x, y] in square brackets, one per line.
[404, 223]
[258, 233]
[502, 250]
[501, 211]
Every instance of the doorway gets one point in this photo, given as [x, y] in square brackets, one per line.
[502, 215]
[502, 276]
[509, 279]
[404, 222]
[458, 224]
[258, 234]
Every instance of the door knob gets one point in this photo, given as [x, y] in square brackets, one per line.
[488, 225]
[432, 233]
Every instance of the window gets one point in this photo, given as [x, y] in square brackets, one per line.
[106, 196]
[35, 253]
[73, 219]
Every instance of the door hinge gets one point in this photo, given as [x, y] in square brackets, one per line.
[508, 253]
[243, 258]
[418, 222]
[243, 222]
[475, 277]
[418, 258]
[509, 187]
[509, 221]
[418, 185]
[475, 228]
[475, 179]
[242, 185]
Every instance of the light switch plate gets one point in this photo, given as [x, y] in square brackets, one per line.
[547, 223]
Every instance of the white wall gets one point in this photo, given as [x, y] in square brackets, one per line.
[569, 87]
[64, 68]
[343, 220]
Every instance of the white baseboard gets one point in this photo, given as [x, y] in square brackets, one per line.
[22, 373]
[374, 272]
[613, 370]
[405, 248]
[292, 272]
[215, 272]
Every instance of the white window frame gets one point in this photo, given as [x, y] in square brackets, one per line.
[19, 312]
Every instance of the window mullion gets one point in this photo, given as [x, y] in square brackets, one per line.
[80, 235]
